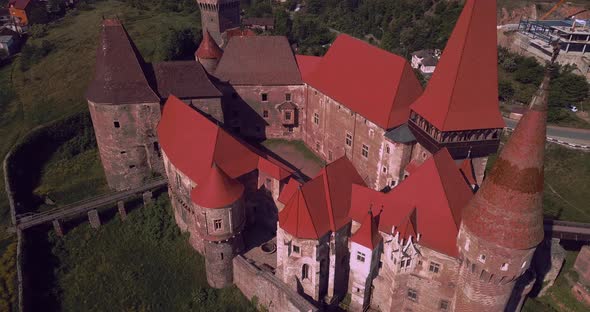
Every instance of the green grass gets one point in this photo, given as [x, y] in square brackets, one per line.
[567, 181]
[299, 146]
[141, 264]
[559, 297]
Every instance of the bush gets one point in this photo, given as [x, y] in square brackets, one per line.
[38, 31]
[567, 89]
[32, 54]
[178, 44]
[505, 90]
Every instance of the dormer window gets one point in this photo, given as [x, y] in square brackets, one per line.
[504, 267]
[288, 113]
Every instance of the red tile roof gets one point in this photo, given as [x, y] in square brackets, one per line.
[307, 65]
[378, 85]
[218, 190]
[237, 32]
[19, 4]
[290, 188]
[463, 92]
[468, 171]
[438, 193]
[273, 168]
[299, 220]
[368, 234]
[508, 208]
[327, 196]
[119, 76]
[208, 49]
[193, 143]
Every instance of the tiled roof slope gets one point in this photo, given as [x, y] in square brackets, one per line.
[307, 65]
[368, 234]
[326, 197]
[208, 49]
[508, 208]
[258, 60]
[218, 190]
[463, 92]
[193, 143]
[119, 77]
[377, 84]
[437, 192]
[184, 79]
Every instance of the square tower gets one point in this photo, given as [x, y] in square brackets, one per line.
[217, 16]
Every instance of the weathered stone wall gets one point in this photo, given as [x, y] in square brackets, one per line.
[582, 265]
[127, 142]
[363, 268]
[208, 106]
[339, 264]
[246, 113]
[217, 18]
[218, 260]
[393, 160]
[270, 291]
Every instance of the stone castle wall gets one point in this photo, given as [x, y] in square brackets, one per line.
[127, 142]
[270, 291]
[208, 106]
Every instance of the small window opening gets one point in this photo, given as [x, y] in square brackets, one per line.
[504, 267]
[365, 151]
[265, 113]
[412, 294]
[131, 166]
[264, 97]
[482, 258]
[117, 124]
[434, 267]
[360, 257]
[217, 224]
[288, 97]
[296, 249]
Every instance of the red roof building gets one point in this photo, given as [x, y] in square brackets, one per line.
[208, 49]
[463, 92]
[218, 190]
[193, 143]
[307, 65]
[468, 171]
[325, 199]
[368, 234]
[437, 214]
[387, 81]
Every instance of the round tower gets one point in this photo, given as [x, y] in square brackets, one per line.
[208, 53]
[220, 207]
[125, 111]
[503, 224]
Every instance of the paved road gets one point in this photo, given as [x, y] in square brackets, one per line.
[572, 135]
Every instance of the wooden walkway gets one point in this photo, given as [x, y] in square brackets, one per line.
[567, 230]
[28, 220]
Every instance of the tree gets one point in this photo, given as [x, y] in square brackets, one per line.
[178, 44]
[567, 89]
[505, 90]
[282, 23]
[38, 15]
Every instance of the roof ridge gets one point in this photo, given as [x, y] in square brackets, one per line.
[308, 214]
[446, 192]
[456, 69]
[396, 95]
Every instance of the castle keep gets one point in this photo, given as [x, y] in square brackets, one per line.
[401, 218]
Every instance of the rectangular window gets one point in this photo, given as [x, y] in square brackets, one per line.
[316, 118]
[349, 139]
[387, 150]
[434, 267]
[287, 115]
[287, 96]
[117, 124]
[268, 183]
[123, 152]
[265, 113]
[264, 97]
[131, 166]
[296, 249]
[360, 257]
[384, 169]
[330, 155]
[444, 305]
[412, 294]
[290, 129]
[365, 151]
[217, 224]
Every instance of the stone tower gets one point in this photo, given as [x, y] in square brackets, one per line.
[220, 219]
[125, 111]
[217, 16]
[208, 53]
[503, 223]
[459, 107]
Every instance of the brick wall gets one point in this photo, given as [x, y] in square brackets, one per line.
[582, 265]
[270, 291]
[127, 142]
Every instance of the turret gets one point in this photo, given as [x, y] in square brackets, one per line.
[459, 108]
[124, 109]
[218, 202]
[208, 53]
[217, 16]
[503, 223]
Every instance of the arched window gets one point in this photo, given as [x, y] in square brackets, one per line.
[305, 271]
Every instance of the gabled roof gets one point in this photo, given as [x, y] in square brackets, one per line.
[302, 221]
[119, 77]
[437, 192]
[307, 65]
[463, 92]
[19, 4]
[508, 208]
[376, 84]
[218, 190]
[368, 234]
[327, 195]
[208, 49]
[184, 79]
[468, 171]
[288, 190]
[258, 60]
[193, 143]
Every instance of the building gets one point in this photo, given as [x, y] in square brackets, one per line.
[425, 61]
[261, 23]
[573, 35]
[400, 219]
[218, 16]
[19, 10]
[9, 40]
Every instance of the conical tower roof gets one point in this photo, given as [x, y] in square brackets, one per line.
[508, 209]
[208, 49]
[463, 91]
[218, 191]
[368, 235]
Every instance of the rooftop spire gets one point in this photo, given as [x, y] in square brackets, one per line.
[508, 209]
[218, 191]
[208, 49]
[463, 92]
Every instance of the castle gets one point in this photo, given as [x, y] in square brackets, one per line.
[401, 218]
